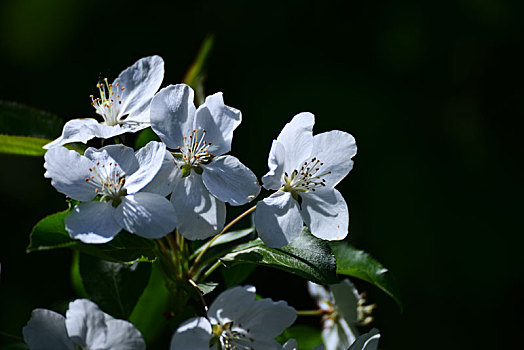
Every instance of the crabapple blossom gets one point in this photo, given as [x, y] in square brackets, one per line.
[124, 104]
[115, 175]
[85, 327]
[343, 308]
[235, 320]
[304, 170]
[199, 138]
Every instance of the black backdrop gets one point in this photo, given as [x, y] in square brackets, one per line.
[431, 91]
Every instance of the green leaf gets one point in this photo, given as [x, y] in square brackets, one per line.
[17, 119]
[307, 337]
[144, 137]
[22, 145]
[196, 74]
[357, 263]
[225, 238]
[237, 274]
[148, 314]
[50, 233]
[307, 256]
[115, 287]
[207, 287]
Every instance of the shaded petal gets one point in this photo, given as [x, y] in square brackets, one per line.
[232, 304]
[368, 341]
[326, 213]
[321, 295]
[274, 178]
[146, 214]
[291, 344]
[278, 220]
[122, 335]
[200, 214]
[92, 222]
[119, 154]
[172, 114]
[219, 121]
[167, 177]
[337, 335]
[46, 330]
[75, 130]
[268, 318]
[230, 181]
[193, 334]
[297, 139]
[85, 324]
[335, 149]
[150, 159]
[68, 170]
[346, 299]
[141, 81]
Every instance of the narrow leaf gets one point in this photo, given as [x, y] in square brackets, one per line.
[357, 263]
[115, 287]
[17, 119]
[22, 145]
[307, 256]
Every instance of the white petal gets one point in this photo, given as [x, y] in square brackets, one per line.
[219, 121]
[109, 155]
[232, 304]
[92, 222]
[193, 334]
[200, 215]
[320, 293]
[150, 159]
[172, 114]
[297, 139]
[335, 149]
[85, 324]
[326, 213]
[274, 178]
[230, 181]
[368, 341]
[346, 299]
[268, 318]
[46, 330]
[167, 177]
[291, 344]
[140, 81]
[278, 220]
[68, 170]
[146, 214]
[337, 335]
[122, 335]
[75, 130]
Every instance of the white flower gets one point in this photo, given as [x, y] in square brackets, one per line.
[124, 104]
[236, 321]
[367, 341]
[199, 137]
[84, 327]
[116, 175]
[305, 168]
[343, 308]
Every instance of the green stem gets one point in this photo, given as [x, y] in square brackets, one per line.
[211, 269]
[318, 312]
[227, 227]
[7, 335]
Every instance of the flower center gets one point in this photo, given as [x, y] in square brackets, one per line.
[306, 178]
[232, 337]
[194, 152]
[108, 104]
[107, 181]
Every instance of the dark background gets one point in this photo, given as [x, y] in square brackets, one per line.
[431, 90]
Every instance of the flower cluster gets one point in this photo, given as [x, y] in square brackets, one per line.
[127, 190]
[175, 188]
